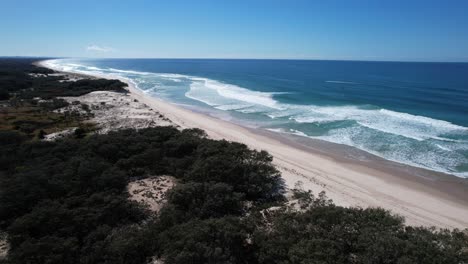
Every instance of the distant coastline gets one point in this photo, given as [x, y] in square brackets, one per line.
[423, 197]
[387, 109]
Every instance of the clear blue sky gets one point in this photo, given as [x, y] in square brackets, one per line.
[402, 30]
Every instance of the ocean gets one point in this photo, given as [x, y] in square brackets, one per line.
[409, 112]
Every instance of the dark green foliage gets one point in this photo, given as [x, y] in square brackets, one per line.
[231, 163]
[69, 195]
[325, 233]
[11, 138]
[129, 244]
[222, 240]
[41, 134]
[205, 200]
[79, 132]
[16, 78]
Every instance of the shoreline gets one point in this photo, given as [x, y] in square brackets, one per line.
[434, 199]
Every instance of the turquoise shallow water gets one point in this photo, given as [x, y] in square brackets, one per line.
[412, 113]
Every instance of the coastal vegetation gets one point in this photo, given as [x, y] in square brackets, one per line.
[29, 94]
[66, 201]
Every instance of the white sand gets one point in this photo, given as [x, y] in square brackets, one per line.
[113, 110]
[348, 184]
[4, 247]
[151, 191]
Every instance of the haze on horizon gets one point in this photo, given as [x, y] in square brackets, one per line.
[300, 29]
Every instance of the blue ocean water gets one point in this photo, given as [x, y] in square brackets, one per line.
[412, 113]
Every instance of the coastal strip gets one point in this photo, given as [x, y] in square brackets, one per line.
[433, 200]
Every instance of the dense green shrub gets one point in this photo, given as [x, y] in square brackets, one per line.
[206, 200]
[61, 193]
[326, 233]
[222, 240]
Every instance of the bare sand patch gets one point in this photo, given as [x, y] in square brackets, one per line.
[151, 191]
[114, 110]
[60, 134]
[3, 246]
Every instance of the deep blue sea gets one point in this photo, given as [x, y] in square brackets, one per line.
[412, 113]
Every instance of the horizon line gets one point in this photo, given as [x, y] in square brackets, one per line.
[221, 58]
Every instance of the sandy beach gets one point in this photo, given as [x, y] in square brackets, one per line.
[422, 197]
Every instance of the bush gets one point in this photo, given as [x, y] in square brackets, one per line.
[206, 200]
[325, 233]
[222, 240]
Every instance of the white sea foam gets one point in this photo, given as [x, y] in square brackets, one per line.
[435, 157]
[298, 133]
[443, 148]
[232, 107]
[130, 72]
[286, 112]
[422, 119]
[253, 110]
[53, 64]
[289, 131]
[60, 65]
[277, 130]
[316, 115]
[174, 79]
[172, 75]
[200, 87]
[94, 68]
[387, 121]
